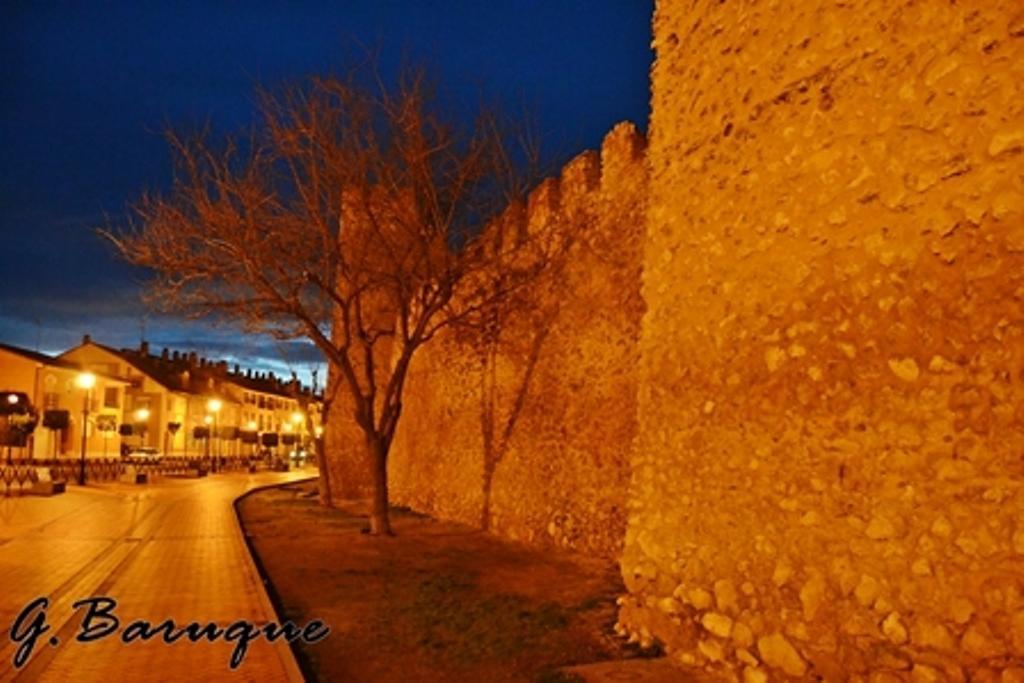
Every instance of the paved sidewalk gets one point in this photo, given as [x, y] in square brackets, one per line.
[169, 550]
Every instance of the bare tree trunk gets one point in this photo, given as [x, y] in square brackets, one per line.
[380, 519]
[324, 480]
[320, 443]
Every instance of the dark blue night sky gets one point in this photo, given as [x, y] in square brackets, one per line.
[85, 93]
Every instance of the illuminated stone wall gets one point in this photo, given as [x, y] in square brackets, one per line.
[829, 472]
[530, 436]
[348, 462]
[367, 218]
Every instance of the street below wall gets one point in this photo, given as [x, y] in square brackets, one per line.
[171, 550]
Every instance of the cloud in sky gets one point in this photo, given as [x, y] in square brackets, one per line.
[55, 336]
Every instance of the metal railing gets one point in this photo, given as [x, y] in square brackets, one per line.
[16, 478]
[178, 465]
[20, 474]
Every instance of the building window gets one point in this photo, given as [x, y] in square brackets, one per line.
[111, 397]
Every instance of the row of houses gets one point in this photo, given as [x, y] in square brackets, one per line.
[178, 403]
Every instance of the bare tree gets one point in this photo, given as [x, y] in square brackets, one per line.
[354, 215]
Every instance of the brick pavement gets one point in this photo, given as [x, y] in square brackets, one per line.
[171, 549]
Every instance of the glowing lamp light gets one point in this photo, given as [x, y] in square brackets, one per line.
[214, 405]
[85, 381]
[141, 415]
[252, 425]
[12, 399]
[319, 431]
[287, 427]
[297, 418]
[208, 420]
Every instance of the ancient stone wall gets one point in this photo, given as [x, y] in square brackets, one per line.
[526, 430]
[349, 466]
[372, 236]
[828, 473]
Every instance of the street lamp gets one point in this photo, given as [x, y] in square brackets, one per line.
[207, 420]
[142, 422]
[255, 443]
[107, 434]
[214, 405]
[85, 381]
[297, 418]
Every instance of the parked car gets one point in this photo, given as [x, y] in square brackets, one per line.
[143, 454]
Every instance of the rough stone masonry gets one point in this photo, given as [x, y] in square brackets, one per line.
[529, 433]
[784, 378]
[827, 480]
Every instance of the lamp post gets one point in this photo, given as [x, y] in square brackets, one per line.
[318, 435]
[297, 419]
[288, 436]
[213, 406]
[85, 381]
[255, 445]
[207, 420]
[142, 420]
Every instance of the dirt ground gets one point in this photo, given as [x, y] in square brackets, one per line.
[437, 602]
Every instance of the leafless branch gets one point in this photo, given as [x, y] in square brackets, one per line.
[353, 215]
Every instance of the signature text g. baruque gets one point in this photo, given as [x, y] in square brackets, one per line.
[99, 622]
